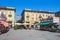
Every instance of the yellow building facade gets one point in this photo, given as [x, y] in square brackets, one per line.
[31, 16]
[9, 12]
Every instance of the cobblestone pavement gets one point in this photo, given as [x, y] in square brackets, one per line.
[29, 35]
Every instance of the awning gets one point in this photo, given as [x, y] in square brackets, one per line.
[45, 22]
[4, 23]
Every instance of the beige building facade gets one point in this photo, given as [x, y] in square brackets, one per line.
[9, 13]
[32, 16]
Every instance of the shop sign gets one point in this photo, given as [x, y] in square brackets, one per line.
[55, 19]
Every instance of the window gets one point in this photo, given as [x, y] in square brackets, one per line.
[28, 19]
[32, 14]
[46, 15]
[36, 18]
[43, 15]
[36, 22]
[27, 16]
[32, 18]
[27, 22]
[27, 13]
[10, 12]
[40, 16]
[36, 14]
[10, 15]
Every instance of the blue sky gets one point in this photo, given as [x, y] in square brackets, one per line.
[47, 5]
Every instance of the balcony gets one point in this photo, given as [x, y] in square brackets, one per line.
[10, 19]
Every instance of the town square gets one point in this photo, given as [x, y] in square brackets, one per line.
[29, 20]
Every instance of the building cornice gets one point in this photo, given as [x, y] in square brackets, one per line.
[7, 8]
[37, 11]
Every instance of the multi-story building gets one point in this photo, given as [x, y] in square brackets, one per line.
[57, 14]
[9, 13]
[33, 16]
